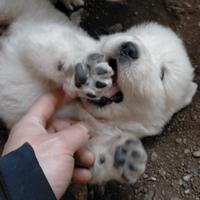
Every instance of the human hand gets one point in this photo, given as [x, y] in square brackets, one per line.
[55, 152]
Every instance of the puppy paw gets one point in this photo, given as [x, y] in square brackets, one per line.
[121, 158]
[130, 160]
[93, 77]
[71, 4]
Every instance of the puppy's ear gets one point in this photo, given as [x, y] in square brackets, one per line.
[191, 91]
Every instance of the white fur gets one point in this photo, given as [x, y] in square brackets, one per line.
[40, 37]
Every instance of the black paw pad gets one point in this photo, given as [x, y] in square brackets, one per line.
[120, 157]
[131, 167]
[135, 154]
[102, 159]
[101, 71]
[81, 75]
[131, 142]
[91, 95]
[100, 84]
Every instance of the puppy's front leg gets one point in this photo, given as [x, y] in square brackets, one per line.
[120, 158]
[91, 77]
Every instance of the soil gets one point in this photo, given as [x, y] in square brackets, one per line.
[173, 169]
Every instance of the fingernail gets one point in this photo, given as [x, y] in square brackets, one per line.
[91, 158]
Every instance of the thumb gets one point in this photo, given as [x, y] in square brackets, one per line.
[75, 136]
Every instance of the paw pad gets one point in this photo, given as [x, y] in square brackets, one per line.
[93, 77]
[130, 160]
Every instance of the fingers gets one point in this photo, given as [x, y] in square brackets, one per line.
[81, 176]
[46, 106]
[84, 158]
[75, 136]
[59, 125]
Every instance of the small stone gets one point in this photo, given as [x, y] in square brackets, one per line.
[178, 140]
[196, 154]
[187, 178]
[187, 191]
[149, 195]
[154, 156]
[152, 178]
[145, 176]
[180, 182]
[195, 117]
[175, 198]
[187, 4]
[186, 151]
[116, 28]
[162, 172]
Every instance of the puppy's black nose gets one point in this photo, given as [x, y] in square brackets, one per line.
[129, 49]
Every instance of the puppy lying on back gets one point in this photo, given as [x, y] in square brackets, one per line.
[153, 79]
[129, 84]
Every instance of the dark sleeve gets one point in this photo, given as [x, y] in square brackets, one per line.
[21, 177]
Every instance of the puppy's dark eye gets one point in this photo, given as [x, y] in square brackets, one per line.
[60, 66]
[162, 76]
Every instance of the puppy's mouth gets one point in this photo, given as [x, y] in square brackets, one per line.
[113, 94]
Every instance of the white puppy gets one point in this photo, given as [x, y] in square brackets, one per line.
[130, 83]
[153, 80]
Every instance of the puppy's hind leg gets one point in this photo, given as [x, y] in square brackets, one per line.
[121, 158]
[14, 9]
[30, 10]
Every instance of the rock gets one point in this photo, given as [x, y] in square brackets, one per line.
[162, 172]
[149, 195]
[178, 140]
[116, 28]
[145, 176]
[194, 117]
[187, 178]
[152, 178]
[187, 191]
[154, 156]
[175, 198]
[196, 154]
[186, 151]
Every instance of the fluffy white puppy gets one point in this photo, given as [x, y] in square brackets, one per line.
[153, 79]
[130, 83]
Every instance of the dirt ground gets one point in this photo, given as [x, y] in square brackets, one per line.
[173, 170]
